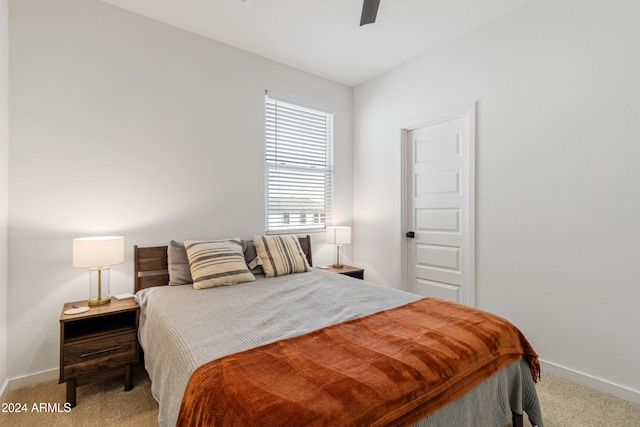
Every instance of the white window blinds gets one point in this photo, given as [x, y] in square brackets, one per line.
[299, 167]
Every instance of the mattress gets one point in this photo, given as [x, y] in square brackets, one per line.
[182, 328]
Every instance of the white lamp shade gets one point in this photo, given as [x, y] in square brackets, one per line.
[100, 251]
[339, 235]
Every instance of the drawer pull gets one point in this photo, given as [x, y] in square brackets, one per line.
[106, 350]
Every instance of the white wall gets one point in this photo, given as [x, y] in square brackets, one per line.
[4, 185]
[123, 125]
[558, 208]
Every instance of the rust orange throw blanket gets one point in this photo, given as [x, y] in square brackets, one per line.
[389, 368]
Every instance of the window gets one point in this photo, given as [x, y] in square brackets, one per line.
[299, 166]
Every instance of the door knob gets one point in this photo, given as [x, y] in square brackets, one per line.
[410, 234]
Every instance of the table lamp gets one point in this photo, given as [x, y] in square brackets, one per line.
[338, 236]
[97, 254]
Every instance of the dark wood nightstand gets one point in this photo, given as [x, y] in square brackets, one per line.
[348, 270]
[98, 344]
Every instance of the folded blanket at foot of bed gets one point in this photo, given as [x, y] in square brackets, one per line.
[393, 367]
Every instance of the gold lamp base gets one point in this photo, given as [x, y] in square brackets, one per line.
[99, 286]
[337, 264]
[100, 301]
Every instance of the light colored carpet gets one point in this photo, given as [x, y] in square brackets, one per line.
[564, 404]
[567, 404]
[99, 404]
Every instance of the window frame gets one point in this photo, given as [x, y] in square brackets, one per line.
[295, 155]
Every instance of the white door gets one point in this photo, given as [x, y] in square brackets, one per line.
[440, 199]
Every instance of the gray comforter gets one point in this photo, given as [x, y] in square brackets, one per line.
[182, 328]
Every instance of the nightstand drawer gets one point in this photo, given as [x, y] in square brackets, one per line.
[357, 274]
[347, 270]
[92, 356]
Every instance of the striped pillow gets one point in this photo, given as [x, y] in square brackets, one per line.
[281, 255]
[217, 263]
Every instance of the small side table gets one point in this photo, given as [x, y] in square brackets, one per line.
[348, 270]
[98, 344]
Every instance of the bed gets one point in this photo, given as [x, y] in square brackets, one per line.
[274, 351]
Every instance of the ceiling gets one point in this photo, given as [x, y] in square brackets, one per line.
[323, 37]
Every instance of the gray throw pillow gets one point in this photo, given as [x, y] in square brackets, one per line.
[178, 263]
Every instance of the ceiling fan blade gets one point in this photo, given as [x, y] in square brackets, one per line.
[369, 12]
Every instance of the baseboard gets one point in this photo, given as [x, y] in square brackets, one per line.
[4, 391]
[590, 381]
[33, 379]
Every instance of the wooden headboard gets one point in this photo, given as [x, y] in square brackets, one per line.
[150, 266]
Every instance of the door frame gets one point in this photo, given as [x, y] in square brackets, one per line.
[469, 111]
